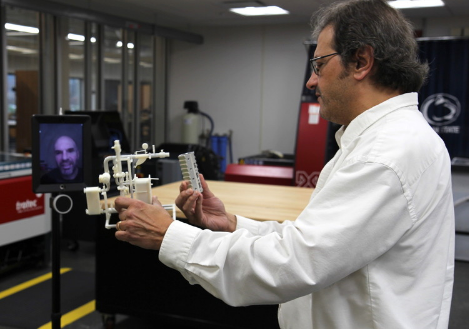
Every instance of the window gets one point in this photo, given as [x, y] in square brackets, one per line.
[22, 39]
[76, 94]
[75, 45]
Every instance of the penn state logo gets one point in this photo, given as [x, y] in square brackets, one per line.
[441, 109]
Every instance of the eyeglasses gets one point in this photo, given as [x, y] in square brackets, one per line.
[314, 65]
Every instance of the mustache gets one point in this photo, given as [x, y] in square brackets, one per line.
[317, 92]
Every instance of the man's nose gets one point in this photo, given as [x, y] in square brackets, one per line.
[313, 81]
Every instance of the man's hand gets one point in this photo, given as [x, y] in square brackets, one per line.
[204, 210]
[142, 224]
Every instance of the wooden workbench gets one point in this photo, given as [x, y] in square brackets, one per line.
[256, 201]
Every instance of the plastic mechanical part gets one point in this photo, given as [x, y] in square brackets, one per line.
[127, 182]
[189, 170]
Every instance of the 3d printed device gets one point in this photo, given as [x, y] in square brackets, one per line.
[138, 188]
[189, 170]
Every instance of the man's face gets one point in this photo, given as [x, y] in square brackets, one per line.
[66, 155]
[332, 86]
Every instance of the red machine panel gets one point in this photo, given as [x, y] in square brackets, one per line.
[19, 200]
[310, 145]
[274, 175]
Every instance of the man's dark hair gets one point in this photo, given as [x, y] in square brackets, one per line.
[359, 23]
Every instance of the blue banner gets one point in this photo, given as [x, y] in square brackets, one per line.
[444, 98]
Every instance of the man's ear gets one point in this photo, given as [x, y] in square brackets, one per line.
[364, 60]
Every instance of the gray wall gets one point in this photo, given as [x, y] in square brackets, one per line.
[248, 79]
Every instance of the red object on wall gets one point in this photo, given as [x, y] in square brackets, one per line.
[18, 199]
[274, 175]
[311, 142]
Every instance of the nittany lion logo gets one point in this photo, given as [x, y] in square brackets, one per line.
[441, 109]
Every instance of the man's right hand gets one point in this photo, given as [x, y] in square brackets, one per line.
[204, 210]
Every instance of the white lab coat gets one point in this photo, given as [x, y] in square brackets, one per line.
[374, 248]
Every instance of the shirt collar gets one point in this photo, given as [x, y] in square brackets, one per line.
[370, 116]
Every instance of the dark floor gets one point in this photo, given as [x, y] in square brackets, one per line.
[84, 260]
[81, 257]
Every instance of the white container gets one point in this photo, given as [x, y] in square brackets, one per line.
[191, 126]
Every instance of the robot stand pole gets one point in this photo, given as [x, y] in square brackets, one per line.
[60, 204]
[56, 313]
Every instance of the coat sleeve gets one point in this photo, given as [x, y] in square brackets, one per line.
[260, 227]
[356, 217]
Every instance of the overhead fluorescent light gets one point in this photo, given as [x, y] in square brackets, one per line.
[21, 28]
[76, 37]
[79, 37]
[405, 4]
[260, 11]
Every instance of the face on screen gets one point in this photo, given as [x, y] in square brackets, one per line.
[61, 153]
[67, 157]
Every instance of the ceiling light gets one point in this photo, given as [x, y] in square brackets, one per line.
[130, 45]
[21, 28]
[260, 11]
[404, 4]
[112, 60]
[22, 50]
[75, 37]
[79, 37]
[146, 65]
[76, 57]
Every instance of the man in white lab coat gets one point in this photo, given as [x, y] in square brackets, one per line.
[374, 248]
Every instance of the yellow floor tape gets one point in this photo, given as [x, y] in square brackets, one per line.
[67, 318]
[30, 283]
[73, 315]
